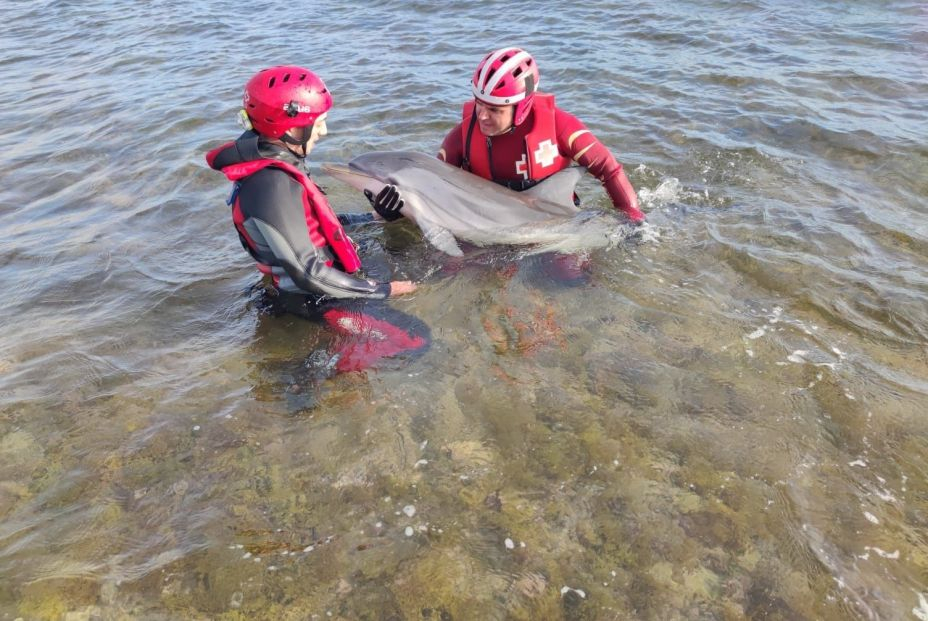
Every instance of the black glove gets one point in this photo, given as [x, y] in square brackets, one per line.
[388, 203]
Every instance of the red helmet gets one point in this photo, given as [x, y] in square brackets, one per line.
[507, 76]
[284, 97]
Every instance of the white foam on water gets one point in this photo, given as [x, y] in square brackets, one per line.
[894, 555]
[885, 496]
[648, 233]
[798, 356]
[922, 610]
[756, 334]
[666, 192]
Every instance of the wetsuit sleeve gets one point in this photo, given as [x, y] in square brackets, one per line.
[272, 204]
[354, 219]
[452, 148]
[578, 143]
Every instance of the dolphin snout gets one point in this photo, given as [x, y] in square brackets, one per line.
[353, 177]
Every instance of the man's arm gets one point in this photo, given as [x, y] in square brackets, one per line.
[310, 272]
[579, 143]
[452, 147]
[354, 219]
[272, 204]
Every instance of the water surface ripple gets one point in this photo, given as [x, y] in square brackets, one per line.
[725, 420]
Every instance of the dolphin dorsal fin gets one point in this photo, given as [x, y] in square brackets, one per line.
[559, 187]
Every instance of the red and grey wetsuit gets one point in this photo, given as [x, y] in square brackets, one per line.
[286, 224]
[545, 143]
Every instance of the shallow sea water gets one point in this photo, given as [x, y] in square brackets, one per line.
[726, 420]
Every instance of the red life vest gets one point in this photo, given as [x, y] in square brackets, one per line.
[322, 223]
[540, 157]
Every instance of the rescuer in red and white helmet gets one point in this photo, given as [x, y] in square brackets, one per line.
[515, 135]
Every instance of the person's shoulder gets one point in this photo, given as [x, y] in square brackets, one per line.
[454, 135]
[566, 120]
[270, 184]
[271, 175]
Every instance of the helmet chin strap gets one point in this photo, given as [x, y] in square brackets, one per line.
[290, 140]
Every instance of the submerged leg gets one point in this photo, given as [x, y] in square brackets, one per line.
[367, 332]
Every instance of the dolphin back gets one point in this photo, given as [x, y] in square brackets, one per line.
[449, 204]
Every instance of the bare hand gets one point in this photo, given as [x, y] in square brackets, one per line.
[402, 287]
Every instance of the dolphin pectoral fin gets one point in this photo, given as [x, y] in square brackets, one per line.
[559, 187]
[440, 237]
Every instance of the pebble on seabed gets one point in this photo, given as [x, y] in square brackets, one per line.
[566, 589]
[409, 510]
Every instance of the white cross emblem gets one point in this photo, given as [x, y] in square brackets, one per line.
[522, 167]
[545, 153]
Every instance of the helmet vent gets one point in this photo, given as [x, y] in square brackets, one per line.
[302, 77]
[271, 83]
[286, 78]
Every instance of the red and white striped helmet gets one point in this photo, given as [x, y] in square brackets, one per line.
[507, 76]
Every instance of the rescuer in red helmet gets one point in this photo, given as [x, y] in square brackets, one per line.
[285, 222]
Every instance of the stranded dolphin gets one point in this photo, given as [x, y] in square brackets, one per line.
[450, 204]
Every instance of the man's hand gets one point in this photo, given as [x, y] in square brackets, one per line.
[402, 287]
[387, 203]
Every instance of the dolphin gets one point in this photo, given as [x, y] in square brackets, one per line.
[449, 204]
